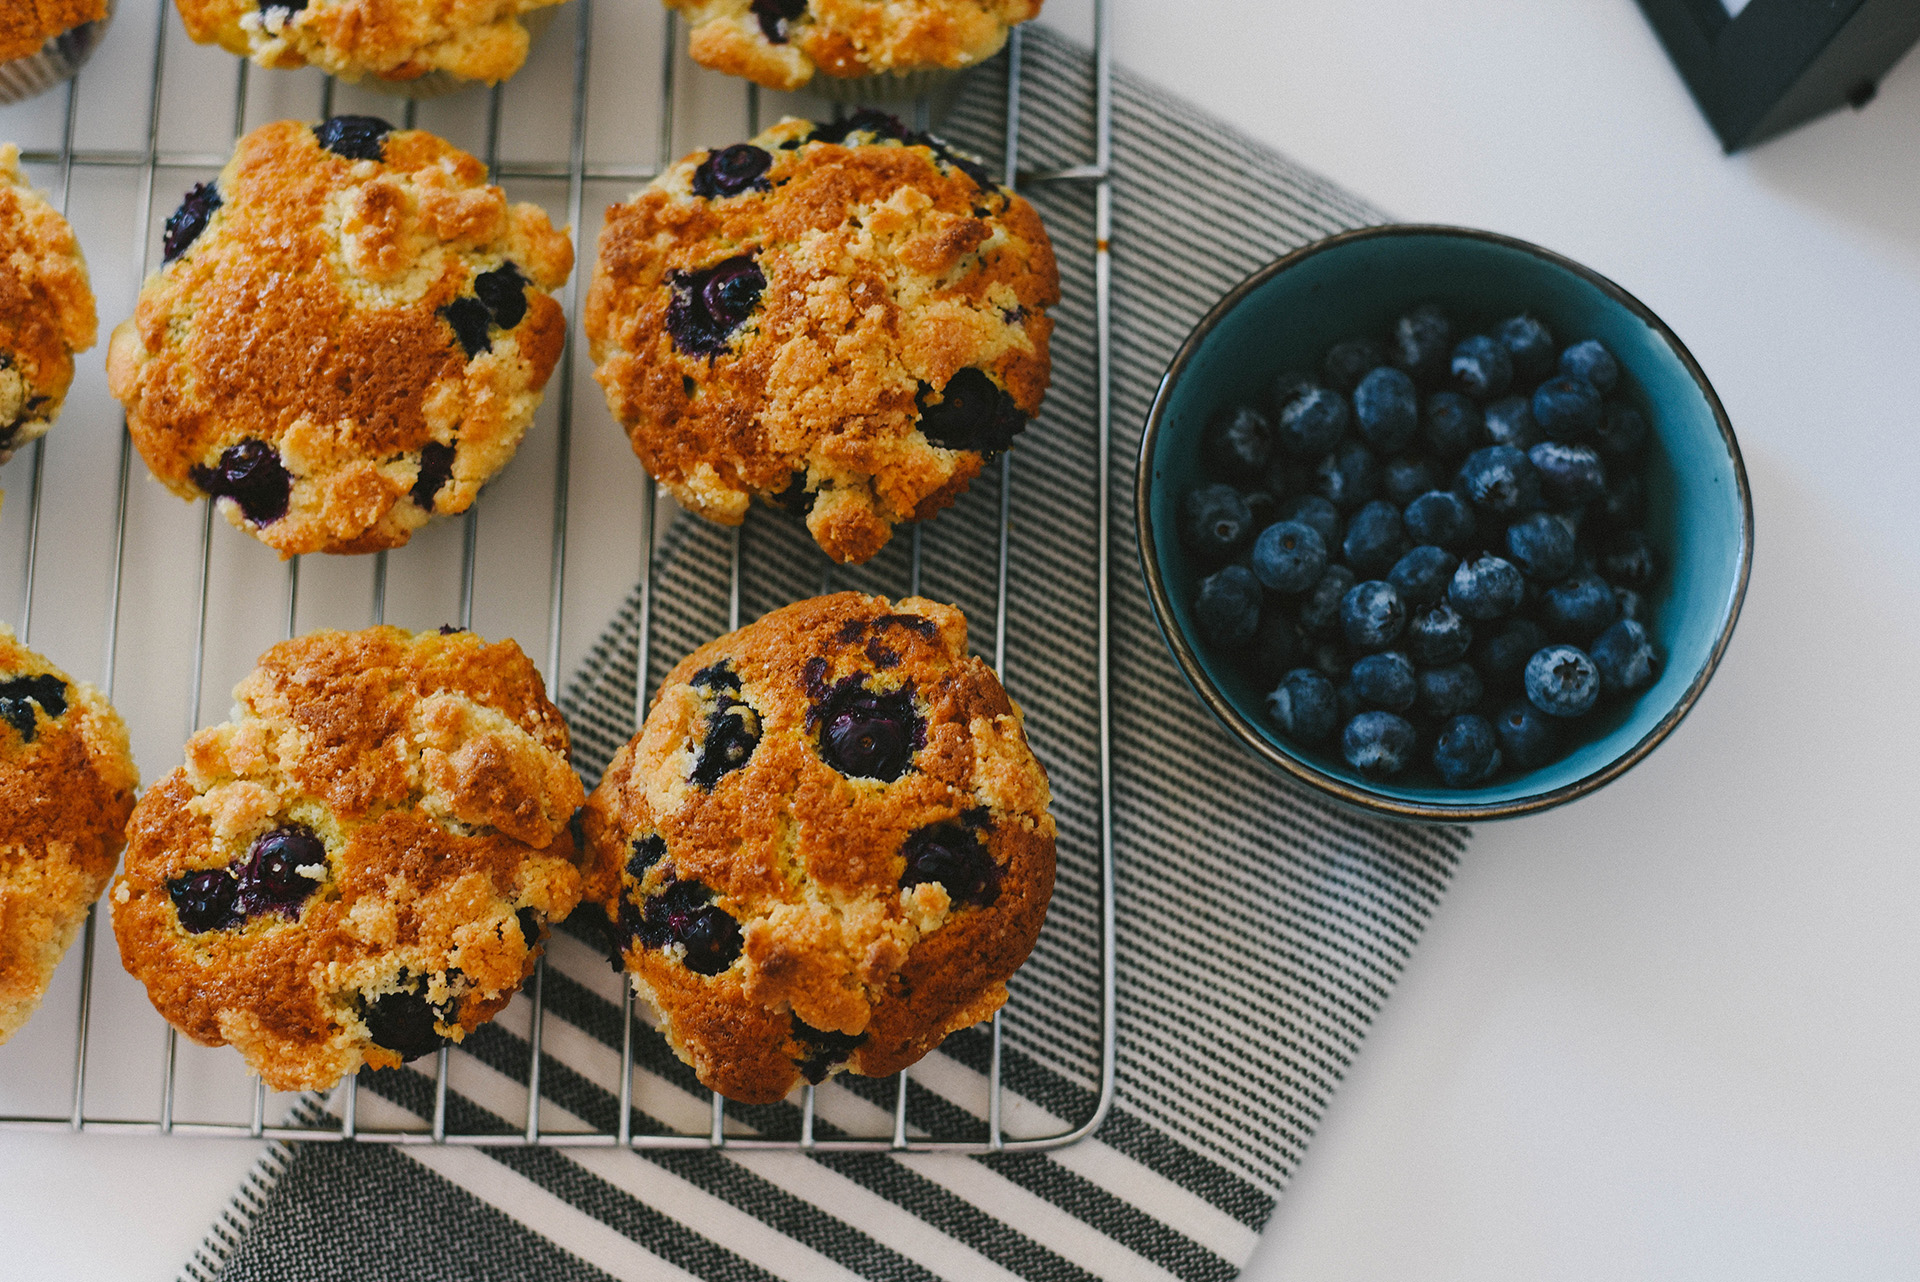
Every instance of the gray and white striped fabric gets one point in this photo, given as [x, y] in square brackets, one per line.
[1259, 930]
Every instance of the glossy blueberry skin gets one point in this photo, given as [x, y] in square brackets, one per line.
[1404, 479]
[403, 1022]
[1421, 343]
[1304, 706]
[1622, 435]
[1542, 546]
[1276, 649]
[269, 879]
[1319, 611]
[1386, 409]
[1375, 538]
[1629, 561]
[710, 304]
[1290, 384]
[185, 224]
[1422, 575]
[1215, 522]
[1502, 655]
[252, 475]
[732, 170]
[1455, 426]
[864, 734]
[203, 901]
[957, 859]
[1311, 423]
[1570, 475]
[1237, 444]
[1347, 477]
[1579, 609]
[1348, 362]
[1384, 680]
[1529, 346]
[1481, 367]
[1378, 744]
[1467, 751]
[354, 137]
[1510, 421]
[1567, 408]
[1440, 517]
[1590, 360]
[1372, 615]
[1625, 657]
[1228, 608]
[1486, 588]
[1289, 557]
[1501, 482]
[1561, 681]
[1438, 635]
[1449, 690]
[1311, 509]
[1528, 738]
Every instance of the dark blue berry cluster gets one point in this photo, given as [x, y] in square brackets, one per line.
[1430, 550]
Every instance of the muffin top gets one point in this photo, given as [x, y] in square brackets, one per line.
[66, 788]
[362, 863]
[828, 847]
[782, 43]
[46, 307]
[349, 335]
[386, 39]
[25, 25]
[844, 318]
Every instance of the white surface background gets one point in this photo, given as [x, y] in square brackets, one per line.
[1669, 1031]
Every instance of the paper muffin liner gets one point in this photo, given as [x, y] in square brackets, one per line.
[441, 84]
[58, 59]
[941, 84]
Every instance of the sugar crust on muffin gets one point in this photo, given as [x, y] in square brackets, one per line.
[397, 40]
[46, 308]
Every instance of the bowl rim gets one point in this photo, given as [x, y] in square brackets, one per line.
[1305, 772]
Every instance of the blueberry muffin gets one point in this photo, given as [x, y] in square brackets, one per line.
[350, 334]
[828, 847]
[782, 44]
[43, 42]
[846, 320]
[46, 308]
[363, 863]
[66, 789]
[388, 41]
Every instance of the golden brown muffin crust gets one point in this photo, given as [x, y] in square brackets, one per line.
[25, 25]
[46, 307]
[396, 40]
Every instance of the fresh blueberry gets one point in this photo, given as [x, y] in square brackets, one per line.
[710, 304]
[1529, 346]
[1422, 342]
[1570, 475]
[404, 1021]
[1377, 743]
[1449, 690]
[436, 469]
[1372, 615]
[732, 170]
[1284, 477]
[204, 900]
[1311, 423]
[1631, 605]
[1237, 443]
[1467, 751]
[1625, 658]
[1375, 538]
[1561, 681]
[1215, 522]
[1623, 505]
[1542, 546]
[252, 475]
[774, 15]
[1579, 609]
[1627, 559]
[1501, 656]
[1384, 681]
[1276, 648]
[1262, 508]
[1623, 433]
[1347, 477]
[1440, 517]
[1591, 361]
[1292, 384]
[1501, 482]
[1482, 368]
[1438, 635]
[1527, 737]
[270, 880]
[1346, 701]
[185, 224]
[1510, 422]
[504, 293]
[354, 137]
[1304, 706]
[1228, 608]
[865, 734]
[973, 413]
[1567, 408]
[957, 858]
[1422, 575]
[1486, 588]
[1330, 660]
[1456, 427]
[1290, 557]
[1349, 361]
[1405, 479]
[1311, 509]
[1386, 409]
[1319, 612]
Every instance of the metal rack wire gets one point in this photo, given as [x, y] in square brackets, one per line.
[343, 1121]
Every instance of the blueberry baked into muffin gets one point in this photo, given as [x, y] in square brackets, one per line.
[846, 320]
[783, 44]
[46, 308]
[394, 41]
[66, 788]
[828, 847]
[349, 336]
[363, 863]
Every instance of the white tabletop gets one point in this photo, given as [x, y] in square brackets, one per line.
[1668, 1031]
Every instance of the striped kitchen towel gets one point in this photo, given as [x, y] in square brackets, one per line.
[1259, 930]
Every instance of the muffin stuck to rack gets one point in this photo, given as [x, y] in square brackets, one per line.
[362, 865]
[846, 320]
[391, 41]
[782, 44]
[827, 849]
[66, 788]
[46, 308]
[349, 336]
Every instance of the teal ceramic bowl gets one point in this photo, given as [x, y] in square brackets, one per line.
[1700, 515]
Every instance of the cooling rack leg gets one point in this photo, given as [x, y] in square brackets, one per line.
[166, 1081]
[350, 1112]
[900, 1111]
[995, 1137]
[717, 1136]
[626, 1063]
[806, 1117]
[79, 1118]
[533, 1049]
[440, 1061]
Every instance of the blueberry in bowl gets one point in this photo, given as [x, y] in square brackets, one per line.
[1556, 549]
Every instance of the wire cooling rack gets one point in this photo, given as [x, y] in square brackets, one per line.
[187, 608]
